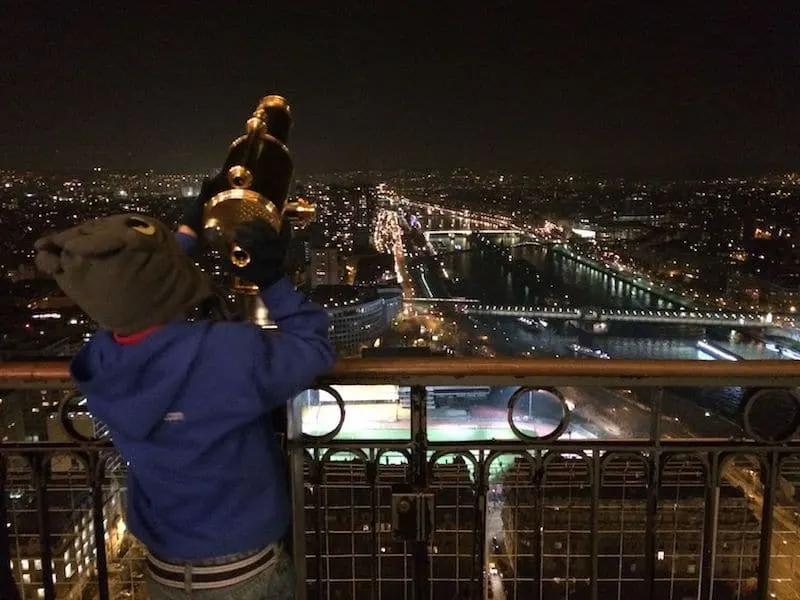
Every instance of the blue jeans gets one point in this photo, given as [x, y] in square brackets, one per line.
[276, 582]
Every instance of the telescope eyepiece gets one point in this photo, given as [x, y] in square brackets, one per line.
[240, 177]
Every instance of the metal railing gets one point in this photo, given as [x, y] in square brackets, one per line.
[665, 508]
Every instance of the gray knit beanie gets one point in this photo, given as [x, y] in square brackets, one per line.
[127, 272]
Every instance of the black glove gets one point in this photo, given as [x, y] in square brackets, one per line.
[267, 250]
[193, 215]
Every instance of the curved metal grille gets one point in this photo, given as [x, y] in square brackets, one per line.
[656, 510]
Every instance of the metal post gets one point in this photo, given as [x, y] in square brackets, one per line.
[710, 528]
[41, 474]
[96, 477]
[8, 588]
[419, 479]
[650, 526]
[247, 302]
[372, 481]
[596, 475]
[538, 519]
[770, 480]
[317, 475]
[480, 531]
[296, 462]
[654, 480]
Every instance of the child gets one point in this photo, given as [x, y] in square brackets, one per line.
[188, 403]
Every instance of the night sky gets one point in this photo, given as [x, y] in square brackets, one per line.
[596, 88]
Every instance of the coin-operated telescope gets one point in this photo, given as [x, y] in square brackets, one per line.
[254, 181]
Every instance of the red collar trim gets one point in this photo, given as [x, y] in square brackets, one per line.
[134, 338]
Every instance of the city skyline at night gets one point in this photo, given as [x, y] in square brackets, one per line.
[530, 328]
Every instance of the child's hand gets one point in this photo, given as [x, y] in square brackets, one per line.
[267, 250]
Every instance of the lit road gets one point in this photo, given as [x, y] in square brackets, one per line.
[388, 237]
[494, 528]
[402, 272]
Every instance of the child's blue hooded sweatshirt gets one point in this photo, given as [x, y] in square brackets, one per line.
[187, 406]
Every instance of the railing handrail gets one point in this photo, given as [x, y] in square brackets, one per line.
[308, 459]
[428, 369]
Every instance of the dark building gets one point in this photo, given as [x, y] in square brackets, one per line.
[375, 269]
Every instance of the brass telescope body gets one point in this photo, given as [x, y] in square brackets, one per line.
[254, 181]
